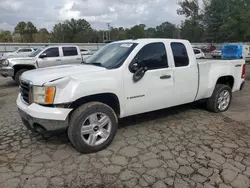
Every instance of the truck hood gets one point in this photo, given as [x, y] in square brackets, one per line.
[22, 60]
[44, 75]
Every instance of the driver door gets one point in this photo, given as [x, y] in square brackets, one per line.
[155, 89]
[50, 57]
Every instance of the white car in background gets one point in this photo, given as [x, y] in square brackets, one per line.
[85, 53]
[198, 53]
[216, 53]
[19, 52]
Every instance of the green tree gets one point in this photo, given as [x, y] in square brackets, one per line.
[228, 20]
[42, 36]
[165, 30]
[72, 31]
[5, 36]
[192, 27]
[20, 29]
[136, 32]
[29, 32]
[150, 32]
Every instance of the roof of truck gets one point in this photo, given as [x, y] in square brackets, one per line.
[147, 40]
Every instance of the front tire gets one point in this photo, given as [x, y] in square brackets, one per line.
[92, 127]
[18, 74]
[221, 99]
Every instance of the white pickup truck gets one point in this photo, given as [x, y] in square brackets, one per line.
[43, 57]
[123, 78]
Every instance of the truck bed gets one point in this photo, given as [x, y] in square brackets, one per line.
[212, 69]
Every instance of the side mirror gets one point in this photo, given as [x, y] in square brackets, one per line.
[43, 55]
[139, 74]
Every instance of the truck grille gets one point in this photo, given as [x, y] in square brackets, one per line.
[25, 90]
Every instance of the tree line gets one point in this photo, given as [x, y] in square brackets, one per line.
[211, 21]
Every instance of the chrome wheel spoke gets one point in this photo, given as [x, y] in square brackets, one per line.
[104, 133]
[223, 100]
[86, 129]
[93, 118]
[103, 121]
[96, 129]
[92, 139]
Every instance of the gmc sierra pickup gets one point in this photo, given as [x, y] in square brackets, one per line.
[123, 78]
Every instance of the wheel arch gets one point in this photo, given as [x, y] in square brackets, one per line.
[109, 99]
[19, 67]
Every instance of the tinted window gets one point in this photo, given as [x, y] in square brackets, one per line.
[69, 51]
[152, 56]
[197, 51]
[52, 52]
[24, 50]
[180, 54]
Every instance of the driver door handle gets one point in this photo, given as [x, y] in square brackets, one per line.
[165, 77]
[58, 60]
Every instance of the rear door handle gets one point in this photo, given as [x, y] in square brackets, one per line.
[165, 77]
[78, 58]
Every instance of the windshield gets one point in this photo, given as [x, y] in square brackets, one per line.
[33, 54]
[112, 55]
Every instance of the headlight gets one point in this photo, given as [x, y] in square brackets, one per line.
[43, 95]
[5, 62]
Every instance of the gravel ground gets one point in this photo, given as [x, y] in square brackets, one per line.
[179, 147]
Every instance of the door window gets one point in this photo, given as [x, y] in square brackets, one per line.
[52, 52]
[180, 54]
[24, 50]
[197, 51]
[152, 56]
[69, 51]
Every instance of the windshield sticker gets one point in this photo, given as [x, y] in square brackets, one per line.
[126, 45]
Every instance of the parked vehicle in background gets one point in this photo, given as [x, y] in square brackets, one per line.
[216, 53]
[123, 78]
[246, 52]
[198, 53]
[236, 51]
[19, 52]
[86, 53]
[43, 57]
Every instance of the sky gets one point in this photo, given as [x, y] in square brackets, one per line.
[119, 13]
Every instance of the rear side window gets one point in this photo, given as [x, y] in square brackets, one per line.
[69, 51]
[25, 50]
[197, 51]
[152, 56]
[180, 54]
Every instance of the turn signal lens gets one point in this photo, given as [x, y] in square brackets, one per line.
[49, 95]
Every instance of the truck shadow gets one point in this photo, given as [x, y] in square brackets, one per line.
[159, 114]
[129, 121]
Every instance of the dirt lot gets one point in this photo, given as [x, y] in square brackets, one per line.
[179, 147]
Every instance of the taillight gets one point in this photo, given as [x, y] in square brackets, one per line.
[243, 74]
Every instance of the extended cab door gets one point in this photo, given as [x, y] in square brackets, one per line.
[49, 57]
[155, 89]
[186, 76]
[71, 55]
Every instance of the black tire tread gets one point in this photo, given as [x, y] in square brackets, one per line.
[212, 101]
[74, 117]
[18, 74]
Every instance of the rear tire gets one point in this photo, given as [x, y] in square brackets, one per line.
[18, 74]
[92, 127]
[221, 99]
